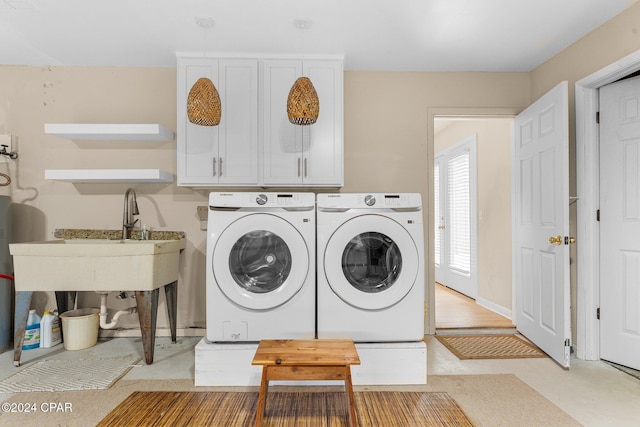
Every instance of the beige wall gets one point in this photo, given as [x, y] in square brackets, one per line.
[386, 120]
[493, 137]
[605, 45]
[611, 41]
[33, 96]
[387, 148]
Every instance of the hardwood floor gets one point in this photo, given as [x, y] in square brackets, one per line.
[456, 311]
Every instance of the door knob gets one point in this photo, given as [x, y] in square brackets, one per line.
[572, 240]
[557, 240]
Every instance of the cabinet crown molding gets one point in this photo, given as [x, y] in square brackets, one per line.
[259, 56]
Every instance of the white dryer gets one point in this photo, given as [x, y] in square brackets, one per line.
[371, 282]
[260, 266]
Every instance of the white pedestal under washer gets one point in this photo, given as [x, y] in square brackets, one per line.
[371, 281]
[260, 266]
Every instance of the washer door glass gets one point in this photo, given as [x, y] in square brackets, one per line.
[371, 262]
[260, 261]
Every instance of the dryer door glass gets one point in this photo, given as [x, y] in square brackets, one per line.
[260, 261]
[371, 262]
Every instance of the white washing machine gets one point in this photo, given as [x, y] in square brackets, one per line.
[371, 282]
[260, 266]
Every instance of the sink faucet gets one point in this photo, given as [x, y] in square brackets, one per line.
[130, 209]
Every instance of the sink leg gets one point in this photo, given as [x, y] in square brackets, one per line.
[65, 301]
[171, 294]
[23, 303]
[148, 314]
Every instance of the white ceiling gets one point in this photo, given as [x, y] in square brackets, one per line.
[411, 35]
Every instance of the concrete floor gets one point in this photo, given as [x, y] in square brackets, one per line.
[593, 393]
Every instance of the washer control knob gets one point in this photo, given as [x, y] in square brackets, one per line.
[369, 200]
[261, 199]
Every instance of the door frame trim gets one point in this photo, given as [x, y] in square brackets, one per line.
[588, 192]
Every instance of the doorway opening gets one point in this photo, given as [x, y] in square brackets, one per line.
[472, 221]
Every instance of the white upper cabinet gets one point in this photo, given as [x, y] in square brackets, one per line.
[302, 155]
[254, 144]
[226, 154]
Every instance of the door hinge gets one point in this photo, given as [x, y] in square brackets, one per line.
[597, 116]
[598, 313]
[598, 215]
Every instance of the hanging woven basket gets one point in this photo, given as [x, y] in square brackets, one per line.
[203, 104]
[303, 105]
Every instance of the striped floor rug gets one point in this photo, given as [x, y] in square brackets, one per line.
[312, 409]
[501, 346]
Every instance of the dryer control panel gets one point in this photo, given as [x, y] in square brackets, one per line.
[370, 201]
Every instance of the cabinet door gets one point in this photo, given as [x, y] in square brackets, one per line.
[322, 141]
[196, 145]
[282, 141]
[238, 142]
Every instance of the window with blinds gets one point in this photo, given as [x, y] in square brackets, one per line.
[459, 213]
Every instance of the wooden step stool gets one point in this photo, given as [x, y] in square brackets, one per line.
[301, 360]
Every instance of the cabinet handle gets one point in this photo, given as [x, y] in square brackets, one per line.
[220, 166]
[298, 166]
[305, 167]
[214, 166]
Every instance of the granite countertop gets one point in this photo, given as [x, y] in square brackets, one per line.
[77, 233]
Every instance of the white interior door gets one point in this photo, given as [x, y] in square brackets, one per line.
[620, 223]
[456, 233]
[540, 205]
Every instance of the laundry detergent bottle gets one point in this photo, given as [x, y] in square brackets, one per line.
[32, 332]
[50, 330]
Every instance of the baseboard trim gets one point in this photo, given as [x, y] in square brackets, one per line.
[489, 305]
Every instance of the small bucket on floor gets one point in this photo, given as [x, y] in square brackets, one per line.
[80, 328]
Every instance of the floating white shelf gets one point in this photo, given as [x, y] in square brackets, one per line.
[110, 132]
[109, 175]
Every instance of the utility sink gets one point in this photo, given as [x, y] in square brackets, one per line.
[95, 264]
[85, 264]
